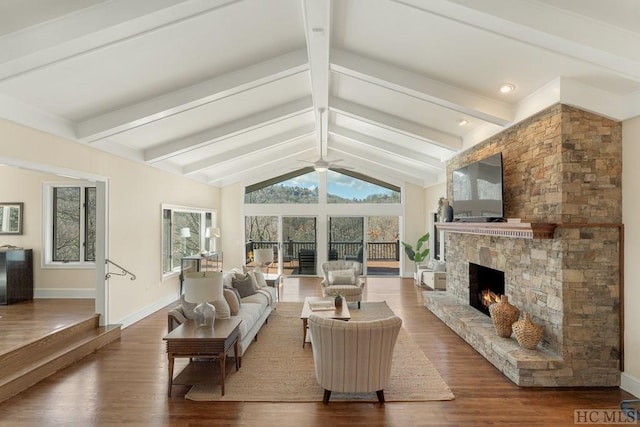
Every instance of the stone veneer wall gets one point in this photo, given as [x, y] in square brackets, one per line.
[561, 166]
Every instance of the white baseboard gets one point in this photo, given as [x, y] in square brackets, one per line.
[630, 384]
[85, 293]
[147, 311]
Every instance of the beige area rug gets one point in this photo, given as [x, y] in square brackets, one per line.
[277, 369]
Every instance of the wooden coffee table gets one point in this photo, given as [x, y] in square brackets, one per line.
[340, 313]
[189, 341]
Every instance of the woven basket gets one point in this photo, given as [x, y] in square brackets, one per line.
[503, 315]
[527, 333]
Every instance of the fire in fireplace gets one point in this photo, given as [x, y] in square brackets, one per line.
[485, 286]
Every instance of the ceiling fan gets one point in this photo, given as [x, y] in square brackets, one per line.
[322, 164]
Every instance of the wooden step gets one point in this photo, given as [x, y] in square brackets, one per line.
[24, 366]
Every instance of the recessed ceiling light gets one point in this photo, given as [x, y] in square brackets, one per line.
[462, 122]
[507, 88]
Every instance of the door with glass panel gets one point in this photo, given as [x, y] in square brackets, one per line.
[261, 232]
[299, 246]
[383, 245]
[347, 239]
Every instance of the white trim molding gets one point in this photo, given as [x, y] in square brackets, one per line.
[630, 384]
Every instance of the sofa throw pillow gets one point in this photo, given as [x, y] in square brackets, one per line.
[244, 286]
[260, 279]
[187, 307]
[223, 311]
[232, 298]
[257, 274]
[342, 277]
[222, 308]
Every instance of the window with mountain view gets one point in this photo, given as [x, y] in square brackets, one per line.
[343, 186]
[351, 187]
[297, 187]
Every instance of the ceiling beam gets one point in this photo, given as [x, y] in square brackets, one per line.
[379, 159]
[550, 28]
[254, 148]
[420, 87]
[92, 28]
[396, 124]
[148, 111]
[227, 130]
[258, 167]
[388, 148]
[317, 25]
[379, 166]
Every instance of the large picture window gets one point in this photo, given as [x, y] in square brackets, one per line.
[70, 225]
[300, 186]
[184, 233]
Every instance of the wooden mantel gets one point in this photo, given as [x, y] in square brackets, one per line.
[523, 230]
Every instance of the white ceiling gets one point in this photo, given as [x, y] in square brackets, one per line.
[229, 91]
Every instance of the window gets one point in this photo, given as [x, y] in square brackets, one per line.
[70, 225]
[184, 232]
[352, 187]
[300, 186]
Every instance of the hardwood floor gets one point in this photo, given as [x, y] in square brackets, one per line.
[125, 383]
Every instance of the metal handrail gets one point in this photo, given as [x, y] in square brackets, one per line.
[123, 273]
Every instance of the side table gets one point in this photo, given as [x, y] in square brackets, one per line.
[273, 280]
[187, 340]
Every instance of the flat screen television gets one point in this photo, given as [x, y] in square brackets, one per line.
[477, 191]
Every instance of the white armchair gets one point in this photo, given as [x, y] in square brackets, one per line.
[353, 357]
[343, 277]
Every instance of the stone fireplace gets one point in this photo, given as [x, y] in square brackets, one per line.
[561, 167]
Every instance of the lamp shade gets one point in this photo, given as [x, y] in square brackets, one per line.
[263, 256]
[212, 232]
[203, 287]
[185, 232]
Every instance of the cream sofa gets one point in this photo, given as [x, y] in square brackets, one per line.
[254, 312]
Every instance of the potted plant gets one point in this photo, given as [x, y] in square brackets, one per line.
[418, 254]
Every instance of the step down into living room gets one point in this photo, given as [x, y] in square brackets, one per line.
[29, 362]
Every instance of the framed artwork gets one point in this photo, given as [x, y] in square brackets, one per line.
[11, 218]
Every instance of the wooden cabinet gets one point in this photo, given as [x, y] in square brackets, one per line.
[436, 280]
[16, 275]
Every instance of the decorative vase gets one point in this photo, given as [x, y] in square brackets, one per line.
[527, 332]
[503, 315]
[204, 315]
[448, 215]
[338, 302]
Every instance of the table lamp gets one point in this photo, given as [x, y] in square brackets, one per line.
[203, 288]
[185, 233]
[212, 233]
[263, 257]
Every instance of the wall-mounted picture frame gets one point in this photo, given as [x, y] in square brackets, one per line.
[11, 218]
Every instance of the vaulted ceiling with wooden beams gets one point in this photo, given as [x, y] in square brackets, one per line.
[239, 91]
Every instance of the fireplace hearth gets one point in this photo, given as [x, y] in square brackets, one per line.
[485, 287]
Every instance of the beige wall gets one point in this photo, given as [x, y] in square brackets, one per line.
[231, 225]
[630, 209]
[136, 193]
[415, 221]
[18, 185]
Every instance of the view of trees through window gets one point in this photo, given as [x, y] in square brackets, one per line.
[299, 189]
[183, 234]
[74, 211]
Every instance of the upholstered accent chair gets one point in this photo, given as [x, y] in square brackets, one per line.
[343, 278]
[353, 357]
